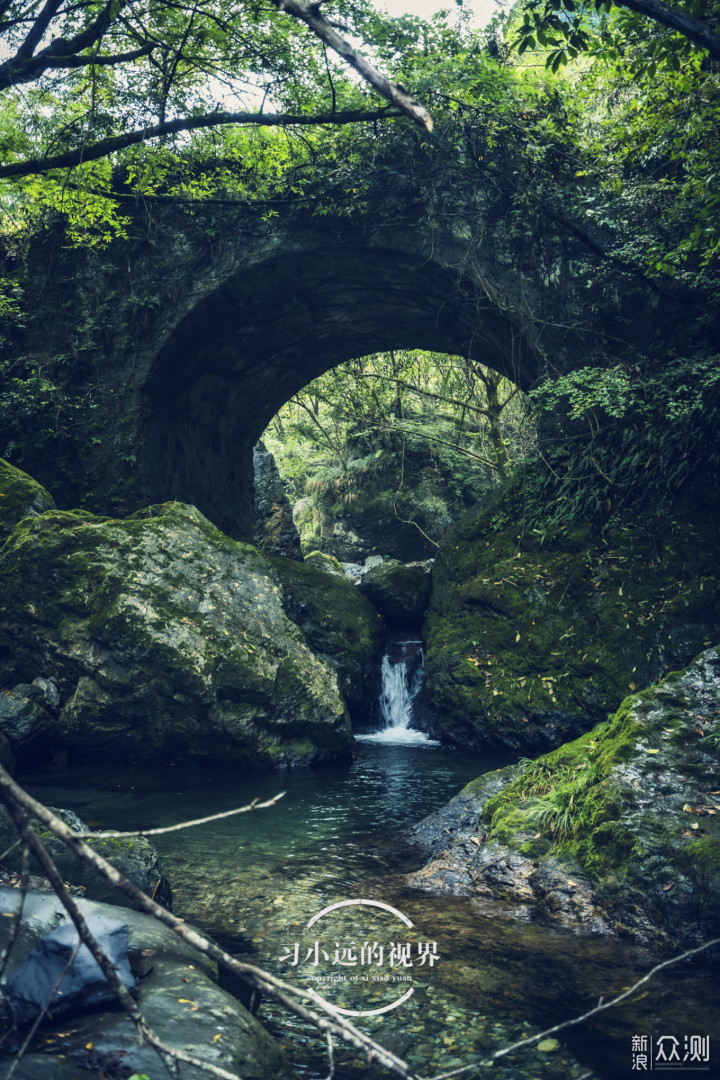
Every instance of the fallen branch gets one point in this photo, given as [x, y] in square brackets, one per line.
[254, 805]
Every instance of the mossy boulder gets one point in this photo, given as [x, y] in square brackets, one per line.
[327, 563]
[177, 995]
[617, 831]
[167, 639]
[20, 497]
[135, 858]
[530, 638]
[340, 626]
[399, 591]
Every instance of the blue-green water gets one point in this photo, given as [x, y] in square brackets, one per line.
[255, 880]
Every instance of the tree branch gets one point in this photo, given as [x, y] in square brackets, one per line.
[691, 28]
[22, 69]
[311, 15]
[105, 147]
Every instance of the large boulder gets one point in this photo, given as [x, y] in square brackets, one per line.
[20, 497]
[134, 857]
[400, 591]
[166, 639]
[178, 998]
[530, 636]
[340, 626]
[616, 832]
[275, 531]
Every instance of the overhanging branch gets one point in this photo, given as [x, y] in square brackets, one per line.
[105, 147]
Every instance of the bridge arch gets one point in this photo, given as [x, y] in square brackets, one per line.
[254, 341]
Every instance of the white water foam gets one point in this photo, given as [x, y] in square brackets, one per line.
[400, 687]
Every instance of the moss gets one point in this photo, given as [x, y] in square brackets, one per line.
[20, 497]
[529, 638]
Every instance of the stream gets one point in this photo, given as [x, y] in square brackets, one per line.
[472, 979]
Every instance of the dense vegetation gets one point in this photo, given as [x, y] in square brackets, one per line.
[562, 124]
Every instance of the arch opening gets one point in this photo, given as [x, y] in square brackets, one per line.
[263, 334]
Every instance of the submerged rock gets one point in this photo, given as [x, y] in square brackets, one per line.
[530, 637]
[616, 832]
[178, 998]
[20, 497]
[400, 591]
[167, 639]
[135, 858]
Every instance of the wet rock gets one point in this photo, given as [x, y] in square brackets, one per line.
[134, 857]
[616, 832]
[275, 531]
[327, 563]
[166, 639]
[531, 638]
[60, 977]
[341, 627]
[20, 497]
[178, 998]
[23, 721]
[399, 591]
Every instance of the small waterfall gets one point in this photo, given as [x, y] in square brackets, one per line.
[402, 675]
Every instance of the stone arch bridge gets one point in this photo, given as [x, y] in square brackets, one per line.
[183, 341]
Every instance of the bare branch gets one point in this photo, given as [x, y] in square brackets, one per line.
[105, 147]
[254, 805]
[290, 996]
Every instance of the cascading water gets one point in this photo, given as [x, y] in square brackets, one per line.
[401, 681]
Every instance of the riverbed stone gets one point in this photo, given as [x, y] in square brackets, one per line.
[399, 591]
[167, 640]
[20, 497]
[178, 997]
[531, 639]
[616, 832]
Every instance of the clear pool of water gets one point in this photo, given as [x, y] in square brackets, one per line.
[256, 880]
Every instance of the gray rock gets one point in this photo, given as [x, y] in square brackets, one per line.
[178, 998]
[400, 591]
[23, 721]
[61, 975]
[275, 531]
[640, 847]
[20, 497]
[134, 857]
[166, 639]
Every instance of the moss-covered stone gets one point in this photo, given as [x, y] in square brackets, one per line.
[529, 637]
[134, 857]
[167, 639]
[20, 497]
[627, 813]
[400, 591]
[340, 626]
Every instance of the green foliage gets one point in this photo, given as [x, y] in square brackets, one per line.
[413, 423]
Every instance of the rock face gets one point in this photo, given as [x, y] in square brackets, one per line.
[27, 717]
[275, 531]
[399, 591]
[166, 639]
[135, 858]
[530, 637]
[616, 832]
[341, 627]
[178, 998]
[20, 497]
